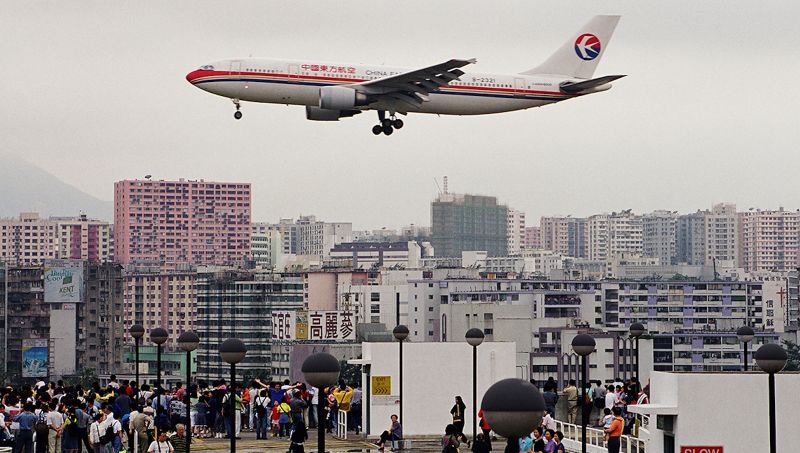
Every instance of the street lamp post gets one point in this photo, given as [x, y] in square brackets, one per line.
[158, 336]
[474, 337]
[137, 332]
[583, 345]
[746, 335]
[636, 331]
[233, 351]
[771, 358]
[400, 334]
[513, 407]
[321, 370]
[188, 341]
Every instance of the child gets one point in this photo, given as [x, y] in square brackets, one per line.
[275, 417]
[607, 419]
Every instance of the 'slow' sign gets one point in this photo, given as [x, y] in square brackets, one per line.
[696, 449]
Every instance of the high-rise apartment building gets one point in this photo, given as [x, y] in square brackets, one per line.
[690, 239]
[659, 235]
[161, 298]
[317, 238]
[29, 240]
[722, 234]
[611, 234]
[515, 231]
[769, 240]
[82, 238]
[567, 236]
[533, 238]
[462, 222]
[174, 222]
[240, 304]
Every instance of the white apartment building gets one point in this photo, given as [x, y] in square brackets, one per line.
[659, 230]
[82, 238]
[691, 239]
[266, 245]
[377, 255]
[769, 240]
[317, 238]
[155, 298]
[28, 240]
[614, 233]
[568, 236]
[515, 231]
[722, 233]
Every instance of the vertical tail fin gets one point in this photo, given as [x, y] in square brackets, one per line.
[578, 57]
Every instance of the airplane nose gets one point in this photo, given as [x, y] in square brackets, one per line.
[194, 75]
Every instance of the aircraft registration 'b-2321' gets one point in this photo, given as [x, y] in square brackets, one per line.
[331, 90]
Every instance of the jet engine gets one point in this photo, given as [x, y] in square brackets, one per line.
[340, 98]
[318, 114]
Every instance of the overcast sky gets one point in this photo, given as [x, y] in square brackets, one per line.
[95, 92]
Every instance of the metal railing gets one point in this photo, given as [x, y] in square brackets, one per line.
[341, 425]
[594, 439]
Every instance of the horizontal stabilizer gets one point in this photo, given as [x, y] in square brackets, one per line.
[585, 85]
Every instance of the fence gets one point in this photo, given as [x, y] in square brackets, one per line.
[341, 425]
[594, 439]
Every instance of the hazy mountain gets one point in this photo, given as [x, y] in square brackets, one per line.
[24, 187]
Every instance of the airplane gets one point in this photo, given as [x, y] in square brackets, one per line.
[332, 90]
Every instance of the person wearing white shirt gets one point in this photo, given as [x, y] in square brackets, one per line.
[611, 397]
[548, 422]
[161, 445]
[253, 394]
[97, 429]
[312, 413]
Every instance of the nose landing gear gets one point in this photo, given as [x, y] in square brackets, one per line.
[237, 114]
[387, 125]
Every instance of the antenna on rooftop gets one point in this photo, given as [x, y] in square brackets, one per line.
[444, 183]
[438, 186]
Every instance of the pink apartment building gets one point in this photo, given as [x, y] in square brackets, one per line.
[178, 222]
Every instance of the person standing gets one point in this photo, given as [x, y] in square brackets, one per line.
[313, 413]
[614, 431]
[298, 438]
[538, 440]
[54, 421]
[96, 430]
[161, 445]
[550, 399]
[458, 415]
[355, 408]
[261, 409]
[179, 439]
[571, 394]
[611, 397]
[557, 438]
[26, 420]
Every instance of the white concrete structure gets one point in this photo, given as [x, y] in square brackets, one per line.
[317, 238]
[377, 255]
[618, 232]
[28, 240]
[433, 374]
[82, 238]
[515, 231]
[722, 233]
[659, 234]
[727, 410]
[266, 245]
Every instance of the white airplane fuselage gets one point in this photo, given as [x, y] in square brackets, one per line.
[299, 82]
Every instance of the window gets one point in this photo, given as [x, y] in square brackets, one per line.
[375, 297]
[488, 331]
[430, 308]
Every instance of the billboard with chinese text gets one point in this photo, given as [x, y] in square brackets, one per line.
[313, 325]
[63, 281]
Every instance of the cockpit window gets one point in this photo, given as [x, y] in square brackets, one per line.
[207, 67]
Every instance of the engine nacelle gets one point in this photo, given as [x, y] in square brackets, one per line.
[318, 114]
[340, 98]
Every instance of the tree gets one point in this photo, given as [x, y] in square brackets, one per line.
[351, 373]
[84, 377]
[793, 351]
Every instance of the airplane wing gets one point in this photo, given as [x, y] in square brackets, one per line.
[413, 87]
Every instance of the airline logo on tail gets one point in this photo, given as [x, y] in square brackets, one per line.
[587, 46]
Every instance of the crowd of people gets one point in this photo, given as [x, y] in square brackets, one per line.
[54, 417]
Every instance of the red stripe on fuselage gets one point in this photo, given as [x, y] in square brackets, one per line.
[206, 73]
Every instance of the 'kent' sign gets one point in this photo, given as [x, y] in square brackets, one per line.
[694, 449]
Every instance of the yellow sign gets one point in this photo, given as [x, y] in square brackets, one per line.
[381, 385]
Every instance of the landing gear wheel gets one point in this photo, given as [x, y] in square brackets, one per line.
[398, 123]
[388, 130]
[377, 129]
[386, 122]
[237, 115]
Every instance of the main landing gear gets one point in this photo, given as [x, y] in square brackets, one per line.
[237, 114]
[387, 125]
